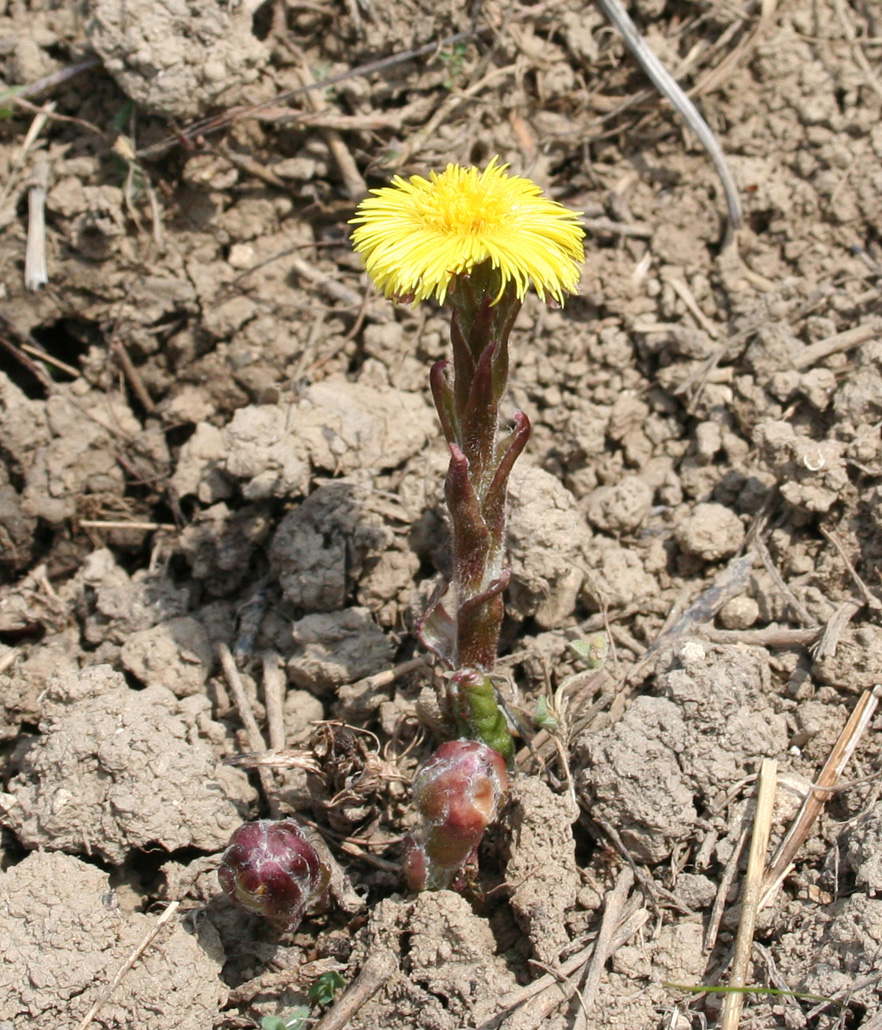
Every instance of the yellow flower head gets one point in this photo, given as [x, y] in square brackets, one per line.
[416, 235]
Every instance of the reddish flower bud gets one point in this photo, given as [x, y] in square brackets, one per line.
[457, 793]
[270, 867]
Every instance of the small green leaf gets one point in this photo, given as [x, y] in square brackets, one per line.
[592, 650]
[322, 991]
[295, 1020]
[8, 110]
[544, 717]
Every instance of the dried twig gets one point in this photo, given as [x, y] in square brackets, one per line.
[38, 352]
[35, 273]
[118, 349]
[532, 1004]
[728, 583]
[146, 527]
[6, 341]
[834, 628]
[612, 917]
[762, 824]
[55, 79]
[769, 636]
[685, 294]
[651, 889]
[843, 749]
[835, 344]
[274, 686]
[127, 965]
[719, 907]
[607, 226]
[380, 966]
[336, 290]
[798, 607]
[249, 723]
[346, 166]
[869, 599]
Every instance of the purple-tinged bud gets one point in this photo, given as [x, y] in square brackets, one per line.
[457, 793]
[270, 867]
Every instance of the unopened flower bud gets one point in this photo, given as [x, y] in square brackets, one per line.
[270, 867]
[457, 793]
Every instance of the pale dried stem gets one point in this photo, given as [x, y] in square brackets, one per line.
[380, 966]
[36, 352]
[835, 344]
[770, 636]
[274, 687]
[870, 600]
[338, 291]
[118, 349]
[249, 723]
[750, 902]
[147, 527]
[685, 294]
[348, 169]
[612, 917]
[35, 273]
[127, 965]
[539, 999]
[834, 628]
[729, 872]
[843, 749]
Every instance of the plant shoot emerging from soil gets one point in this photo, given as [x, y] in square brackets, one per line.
[270, 867]
[474, 240]
[456, 793]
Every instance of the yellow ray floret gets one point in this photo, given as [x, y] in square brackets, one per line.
[416, 235]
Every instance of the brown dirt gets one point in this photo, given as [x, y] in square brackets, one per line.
[706, 463]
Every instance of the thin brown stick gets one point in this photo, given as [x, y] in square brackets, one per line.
[380, 966]
[147, 527]
[36, 370]
[719, 908]
[869, 599]
[249, 723]
[56, 78]
[769, 636]
[36, 352]
[853, 337]
[798, 607]
[612, 917]
[685, 294]
[247, 164]
[762, 825]
[274, 685]
[835, 627]
[355, 185]
[811, 808]
[118, 349]
[127, 965]
[336, 290]
[535, 1002]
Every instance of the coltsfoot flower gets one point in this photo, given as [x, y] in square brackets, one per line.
[417, 235]
[270, 867]
[457, 793]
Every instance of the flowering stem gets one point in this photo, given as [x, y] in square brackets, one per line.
[464, 628]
